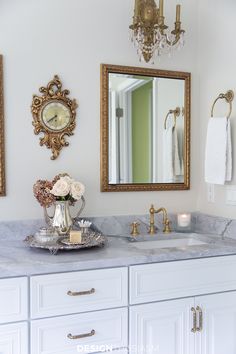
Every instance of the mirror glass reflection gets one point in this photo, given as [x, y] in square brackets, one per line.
[146, 129]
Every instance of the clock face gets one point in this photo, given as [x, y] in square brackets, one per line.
[56, 116]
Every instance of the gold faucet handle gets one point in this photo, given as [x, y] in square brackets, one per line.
[167, 228]
[152, 209]
[134, 230]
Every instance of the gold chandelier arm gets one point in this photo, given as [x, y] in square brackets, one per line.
[177, 38]
[176, 33]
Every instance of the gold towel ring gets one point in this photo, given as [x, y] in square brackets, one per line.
[228, 96]
[176, 113]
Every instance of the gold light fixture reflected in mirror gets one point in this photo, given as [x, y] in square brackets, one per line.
[150, 33]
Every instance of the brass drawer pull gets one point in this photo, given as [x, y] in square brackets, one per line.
[194, 329]
[79, 336]
[81, 293]
[200, 319]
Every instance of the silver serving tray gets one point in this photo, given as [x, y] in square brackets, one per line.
[93, 239]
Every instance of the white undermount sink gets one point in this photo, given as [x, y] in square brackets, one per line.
[170, 243]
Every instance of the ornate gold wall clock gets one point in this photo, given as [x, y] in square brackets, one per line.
[54, 115]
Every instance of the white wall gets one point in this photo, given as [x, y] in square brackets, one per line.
[217, 68]
[71, 38]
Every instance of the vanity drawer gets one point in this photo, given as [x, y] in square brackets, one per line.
[66, 293]
[13, 300]
[170, 280]
[110, 328]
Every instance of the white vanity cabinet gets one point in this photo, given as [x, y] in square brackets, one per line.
[191, 325]
[179, 307]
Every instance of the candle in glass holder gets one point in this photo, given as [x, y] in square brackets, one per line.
[184, 220]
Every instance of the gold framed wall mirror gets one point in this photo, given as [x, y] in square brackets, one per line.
[145, 129]
[2, 148]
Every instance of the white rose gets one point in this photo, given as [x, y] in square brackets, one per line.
[68, 179]
[61, 188]
[77, 189]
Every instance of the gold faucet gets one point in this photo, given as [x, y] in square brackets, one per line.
[166, 222]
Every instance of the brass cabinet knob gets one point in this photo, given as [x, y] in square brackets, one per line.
[134, 230]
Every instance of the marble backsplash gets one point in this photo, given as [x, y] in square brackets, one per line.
[201, 223]
[121, 225]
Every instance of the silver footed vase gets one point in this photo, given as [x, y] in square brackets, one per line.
[62, 221]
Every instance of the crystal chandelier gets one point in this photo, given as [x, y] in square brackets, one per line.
[150, 33]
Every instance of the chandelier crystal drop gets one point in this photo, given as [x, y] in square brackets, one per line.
[149, 32]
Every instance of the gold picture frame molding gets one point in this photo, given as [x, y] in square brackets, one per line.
[2, 140]
[104, 129]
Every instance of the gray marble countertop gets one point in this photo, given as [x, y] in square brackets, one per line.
[17, 259]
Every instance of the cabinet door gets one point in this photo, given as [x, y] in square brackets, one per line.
[163, 327]
[14, 339]
[218, 334]
[15, 289]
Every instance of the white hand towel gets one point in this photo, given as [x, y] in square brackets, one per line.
[229, 158]
[218, 159]
[177, 163]
[168, 173]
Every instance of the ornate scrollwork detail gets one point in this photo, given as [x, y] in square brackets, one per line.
[53, 139]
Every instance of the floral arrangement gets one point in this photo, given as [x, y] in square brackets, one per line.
[61, 188]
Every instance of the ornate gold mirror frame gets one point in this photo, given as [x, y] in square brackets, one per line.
[104, 159]
[2, 148]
